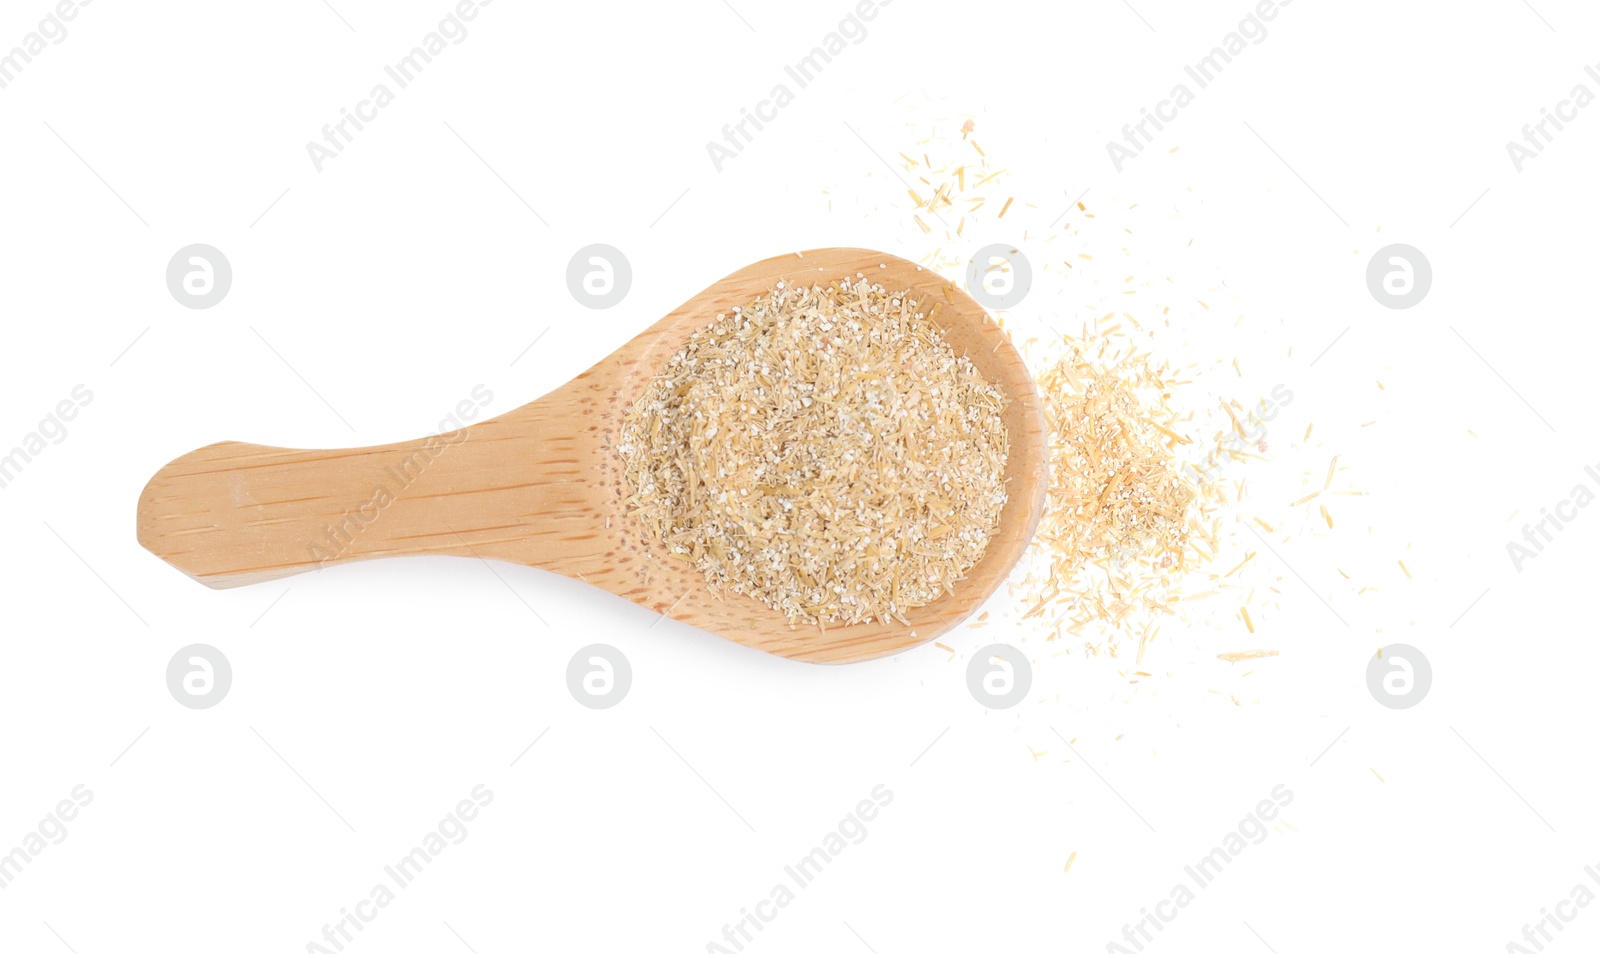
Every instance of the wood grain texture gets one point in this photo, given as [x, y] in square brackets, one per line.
[541, 485]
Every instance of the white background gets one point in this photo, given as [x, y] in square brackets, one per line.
[367, 700]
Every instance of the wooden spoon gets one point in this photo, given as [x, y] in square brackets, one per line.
[541, 485]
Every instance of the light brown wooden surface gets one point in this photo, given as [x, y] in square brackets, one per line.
[540, 485]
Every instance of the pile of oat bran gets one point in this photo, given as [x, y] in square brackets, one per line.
[823, 450]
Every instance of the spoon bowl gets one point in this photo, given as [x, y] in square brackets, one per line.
[542, 485]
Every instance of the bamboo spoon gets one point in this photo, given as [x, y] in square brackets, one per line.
[541, 485]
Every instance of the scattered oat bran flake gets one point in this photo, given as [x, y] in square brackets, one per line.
[1122, 524]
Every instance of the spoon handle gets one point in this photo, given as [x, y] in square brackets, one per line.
[232, 513]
